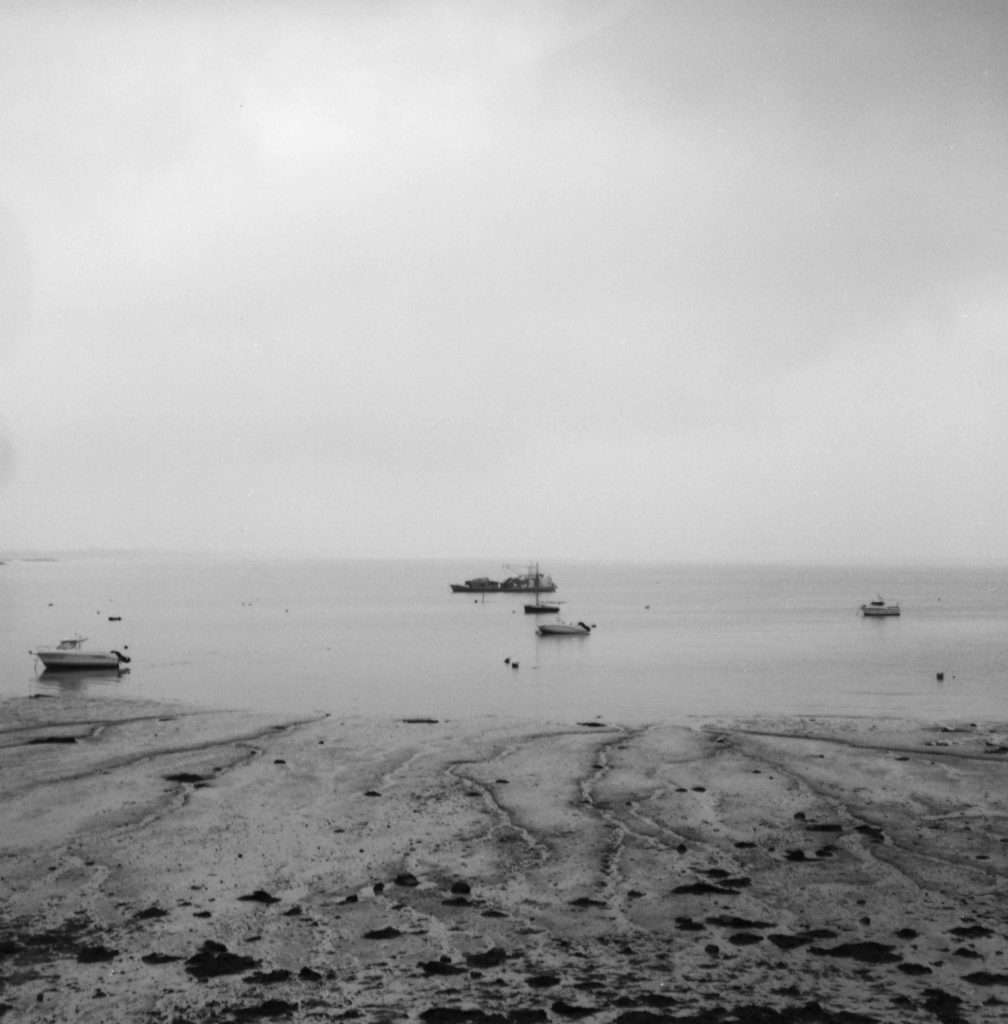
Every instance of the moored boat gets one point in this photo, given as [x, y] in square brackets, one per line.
[538, 608]
[880, 608]
[564, 629]
[522, 583]
[71, 655]
[526, 583]
[479, 585]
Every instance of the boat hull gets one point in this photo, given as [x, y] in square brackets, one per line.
[563, 629]
[874, 612]
[541, 609]
[67, 661]
[482, 586]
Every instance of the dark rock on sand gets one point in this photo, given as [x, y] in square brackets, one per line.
[150, 912]
[456, 1015]
[407, 880]
[703, 889]
[687, 924]
[810, 1013]
[159, 958]
[214, 960]
[440, 968]
[268, 977]
[945, 1006]
[259, 896]
[493, 957]
[187, 777]
[865, 952]
[986, 978]
[971, 931]
[542, 980]
[383, 933]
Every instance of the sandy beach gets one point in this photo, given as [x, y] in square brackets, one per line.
[171, 864]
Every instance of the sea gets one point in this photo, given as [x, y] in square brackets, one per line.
[389, 638]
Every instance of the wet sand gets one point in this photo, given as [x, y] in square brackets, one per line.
[171, 864]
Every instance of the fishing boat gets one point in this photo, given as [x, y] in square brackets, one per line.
[479, 585]
[532, 581]
[879, 608]
[538, 608]
[564, 629]
[71, 655]
[522, 583]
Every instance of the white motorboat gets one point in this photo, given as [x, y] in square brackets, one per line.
[71, 655]
[564, 629]
[879, 608]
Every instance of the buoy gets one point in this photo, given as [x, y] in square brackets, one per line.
[941, 676]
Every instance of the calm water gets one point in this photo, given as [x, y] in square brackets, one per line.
[388, 637]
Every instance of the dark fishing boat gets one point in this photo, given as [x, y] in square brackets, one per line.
[529, 582]
[479, 585]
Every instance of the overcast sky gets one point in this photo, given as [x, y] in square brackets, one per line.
[699, 280]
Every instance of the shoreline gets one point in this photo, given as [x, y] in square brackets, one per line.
[171, 863]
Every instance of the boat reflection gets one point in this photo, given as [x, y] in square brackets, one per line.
[78, 680]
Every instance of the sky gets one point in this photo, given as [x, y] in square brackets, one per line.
[689, 280]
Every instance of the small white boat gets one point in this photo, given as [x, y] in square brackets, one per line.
[564, 629]
[879, 608]
[70, 655]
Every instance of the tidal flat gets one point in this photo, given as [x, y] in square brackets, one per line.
[173, 864]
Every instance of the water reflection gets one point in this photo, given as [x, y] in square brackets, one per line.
[79, 681]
